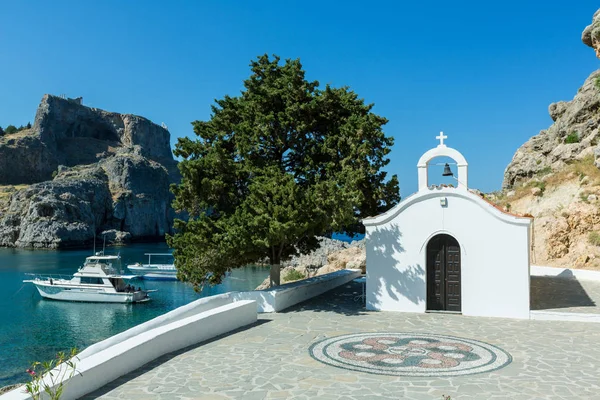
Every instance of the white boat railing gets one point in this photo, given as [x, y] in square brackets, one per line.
[151, 266]
[47, 277]
[157, 254]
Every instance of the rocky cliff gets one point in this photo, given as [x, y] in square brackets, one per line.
[88, 171]
[574, 134]
[555, 176]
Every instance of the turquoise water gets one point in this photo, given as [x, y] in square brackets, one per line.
[34, 329]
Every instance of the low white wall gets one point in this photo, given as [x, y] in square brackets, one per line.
[106, 365]
[567, 273]
[284, 296]
[540, 315]
[179, 313]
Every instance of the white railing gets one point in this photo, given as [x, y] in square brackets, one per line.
[47, 277]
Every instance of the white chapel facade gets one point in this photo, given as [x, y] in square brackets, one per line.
[446, 249]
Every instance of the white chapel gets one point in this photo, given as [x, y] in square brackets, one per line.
[446, 249]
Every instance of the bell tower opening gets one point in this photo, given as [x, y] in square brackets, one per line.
[455, 172]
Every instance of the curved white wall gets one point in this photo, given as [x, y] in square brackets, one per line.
[494, 255]
[179, 313]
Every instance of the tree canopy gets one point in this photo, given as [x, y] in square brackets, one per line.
[274, 167]
[9, 130]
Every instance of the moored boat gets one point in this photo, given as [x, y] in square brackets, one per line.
[96, 281]
[156, 271]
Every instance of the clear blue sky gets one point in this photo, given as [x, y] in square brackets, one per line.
[483, 72]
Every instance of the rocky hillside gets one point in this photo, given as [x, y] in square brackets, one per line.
[80, 171]
[555, 176]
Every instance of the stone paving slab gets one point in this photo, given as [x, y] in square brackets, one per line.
[550, 360]
[565, 295]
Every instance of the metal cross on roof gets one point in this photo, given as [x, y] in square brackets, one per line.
[441, 137]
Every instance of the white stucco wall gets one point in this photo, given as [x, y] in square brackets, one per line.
[494, 254]
[284, 296]
[193, 308]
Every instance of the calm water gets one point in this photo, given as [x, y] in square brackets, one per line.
[32, 328]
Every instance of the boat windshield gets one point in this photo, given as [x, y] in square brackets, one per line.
[104, 262]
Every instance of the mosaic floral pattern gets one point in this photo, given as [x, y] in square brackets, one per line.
[407, 354]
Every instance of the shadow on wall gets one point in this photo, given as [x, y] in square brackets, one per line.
[393, 279]
[550, 292]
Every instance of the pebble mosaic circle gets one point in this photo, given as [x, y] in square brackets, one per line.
[410, 354]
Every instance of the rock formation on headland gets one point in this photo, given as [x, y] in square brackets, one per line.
[81, 171]
[555, 176]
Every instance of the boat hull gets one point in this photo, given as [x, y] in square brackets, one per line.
[99, 296]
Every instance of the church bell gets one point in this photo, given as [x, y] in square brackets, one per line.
[447, 170]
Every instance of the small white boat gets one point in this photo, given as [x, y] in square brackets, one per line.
[96, 281]
[156, 271]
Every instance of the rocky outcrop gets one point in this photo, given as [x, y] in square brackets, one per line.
[332, 255]
[318, 257]
[591, 34]
[60, 213]
[65, 132]
[109, 172]
[574, 134]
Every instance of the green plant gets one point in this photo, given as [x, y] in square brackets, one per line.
[538, 162]
[594, 238]
[597, 82]
[56, 372]
[9, 130]
[572, 138]
[54, 173]
[544, 171]
[293, 275]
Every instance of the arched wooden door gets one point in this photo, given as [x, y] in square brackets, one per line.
[443, 274]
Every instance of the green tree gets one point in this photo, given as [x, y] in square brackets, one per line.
[28, 125]
[1, 131]
[274, 167]
[10, 129]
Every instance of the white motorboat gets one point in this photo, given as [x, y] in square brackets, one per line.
[156, 271]
[97, 280]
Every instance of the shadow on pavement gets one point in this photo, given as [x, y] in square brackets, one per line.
[548, 292]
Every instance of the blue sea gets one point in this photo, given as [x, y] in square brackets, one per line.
[34, 329]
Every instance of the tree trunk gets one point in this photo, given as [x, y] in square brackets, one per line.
[274, 276]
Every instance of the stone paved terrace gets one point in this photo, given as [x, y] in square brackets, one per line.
[271, 360]
[565, 295]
